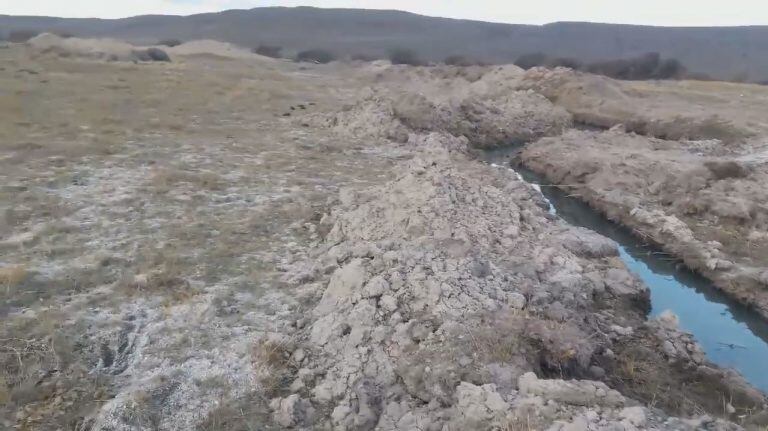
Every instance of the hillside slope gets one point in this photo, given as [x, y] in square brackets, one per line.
[723, 52]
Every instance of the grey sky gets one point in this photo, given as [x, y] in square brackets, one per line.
[654, 12]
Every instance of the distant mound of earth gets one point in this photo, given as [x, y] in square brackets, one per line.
[94, 49]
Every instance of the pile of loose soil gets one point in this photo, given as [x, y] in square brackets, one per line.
[93, 49]
[214, 48]
[427, 320]
[673, 111]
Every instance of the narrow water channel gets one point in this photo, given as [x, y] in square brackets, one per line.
[731, 335]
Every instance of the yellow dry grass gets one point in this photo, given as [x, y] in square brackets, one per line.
[11, 276]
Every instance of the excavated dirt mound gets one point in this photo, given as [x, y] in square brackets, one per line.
[512, 119]
[214, 48]
[475, 108]
[450, 289]
[93, 49]
[650, 110]
[710, 211]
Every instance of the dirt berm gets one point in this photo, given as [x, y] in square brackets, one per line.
[451, 290]
[701, 196]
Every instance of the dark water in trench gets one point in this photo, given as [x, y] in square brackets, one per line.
[731, 335]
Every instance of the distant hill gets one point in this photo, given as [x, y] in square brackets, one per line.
[722, 52]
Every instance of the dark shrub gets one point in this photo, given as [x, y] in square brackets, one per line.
[619, 69]
[319, 56]
[151, 54]
[20, 36]
[723, 169]
[170, 43]
[362, 57]
[646, 65]
[268, 51]
[530, 60]
[696, 76]
[459, 60]
[570, 63]
[141, 55]
[671, 69]
[404, 56]
[63, 34]
[741, 77]
[157, 54]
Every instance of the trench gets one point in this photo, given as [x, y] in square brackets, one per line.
[731, 335]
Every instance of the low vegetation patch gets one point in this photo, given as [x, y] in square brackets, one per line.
[165, 179]
[170, 42]
[273, 365]
[405, 56]
[319, 56]
[159, 272]
[460, 60]
[11, 276]
[646, 66]
[269, 51]
[151, 54]
[362, 57]
[21, 36]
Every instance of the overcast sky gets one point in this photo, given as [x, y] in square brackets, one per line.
[653, 12]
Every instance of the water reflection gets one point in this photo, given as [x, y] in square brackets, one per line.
[730, 334]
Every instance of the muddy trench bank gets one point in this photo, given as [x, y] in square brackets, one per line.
[732, 335]
[426, 272]
[681, 163]
[712, 237]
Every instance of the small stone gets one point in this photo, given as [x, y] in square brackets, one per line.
[420, 331]
[339, 413]
[635, 415]
[388, 303]
[669, 349]
[375, 287]
[621, 330]
[299, 355]
[297, 385]
[578, 424]
[669, 320]
[596, 372]
[592, 416]
[292, 411]
[480, 269]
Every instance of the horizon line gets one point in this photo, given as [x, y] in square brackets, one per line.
[386, 10]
